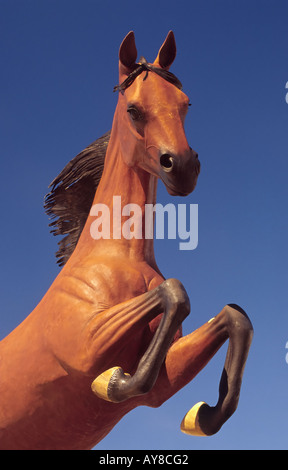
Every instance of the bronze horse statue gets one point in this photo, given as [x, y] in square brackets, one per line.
[107, 335]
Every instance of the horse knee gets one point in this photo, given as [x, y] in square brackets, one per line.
[238, 321]
[175, 297]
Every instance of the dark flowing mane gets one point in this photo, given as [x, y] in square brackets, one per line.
[72, 193]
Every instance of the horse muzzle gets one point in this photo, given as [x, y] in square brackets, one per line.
[179, 173]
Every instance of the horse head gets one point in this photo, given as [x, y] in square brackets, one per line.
[153, 108]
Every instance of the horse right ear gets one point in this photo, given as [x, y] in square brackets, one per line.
[127, 54]
[167, 52]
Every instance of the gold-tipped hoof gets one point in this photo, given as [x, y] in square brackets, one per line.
[101, 384]
[190, 423]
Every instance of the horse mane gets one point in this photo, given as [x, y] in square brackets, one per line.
[72, 193]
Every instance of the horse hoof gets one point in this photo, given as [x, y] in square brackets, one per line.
[190, 423]
[100, 386]
[103, 385]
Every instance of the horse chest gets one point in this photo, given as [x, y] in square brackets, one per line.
[113, 281]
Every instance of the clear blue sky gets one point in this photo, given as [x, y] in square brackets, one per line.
[58, 68]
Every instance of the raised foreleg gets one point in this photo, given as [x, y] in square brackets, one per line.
[170, 298]
[187, 357]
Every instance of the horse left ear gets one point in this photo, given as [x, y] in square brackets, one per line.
[127, 54]
[167, 52]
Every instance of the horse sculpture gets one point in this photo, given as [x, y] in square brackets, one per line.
[107, 337]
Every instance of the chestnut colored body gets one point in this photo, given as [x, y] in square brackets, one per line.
[105, 306]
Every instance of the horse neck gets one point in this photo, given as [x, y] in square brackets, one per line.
[130, 185]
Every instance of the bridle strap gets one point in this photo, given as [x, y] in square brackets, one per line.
[144, 66]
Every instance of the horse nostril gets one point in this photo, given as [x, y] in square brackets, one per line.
[166, 161]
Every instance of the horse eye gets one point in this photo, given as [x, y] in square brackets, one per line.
[135, 114]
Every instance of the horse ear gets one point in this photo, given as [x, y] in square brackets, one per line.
[167, 52]
[127, 53]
